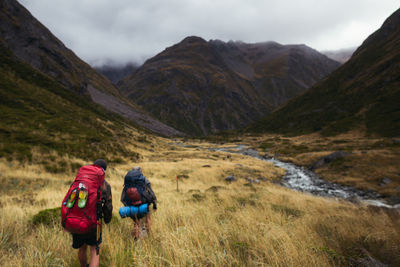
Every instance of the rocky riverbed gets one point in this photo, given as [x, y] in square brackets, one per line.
[301, 179]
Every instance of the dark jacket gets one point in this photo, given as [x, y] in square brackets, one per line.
[137, 173]
[106, 198]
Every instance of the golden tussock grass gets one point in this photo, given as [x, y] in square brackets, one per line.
[207, 223]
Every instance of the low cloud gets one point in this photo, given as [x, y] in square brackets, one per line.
[101, 31]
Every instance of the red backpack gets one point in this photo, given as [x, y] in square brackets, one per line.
[79, 207]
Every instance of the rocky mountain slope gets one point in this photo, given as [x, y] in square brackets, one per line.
[33, 43]
[364, 93]
[201, 87]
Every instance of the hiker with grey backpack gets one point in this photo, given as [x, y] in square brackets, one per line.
[137, 196]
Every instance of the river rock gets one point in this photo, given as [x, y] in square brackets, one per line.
[370, 193]
[354, 200]
[327, 159]
[250, 152]
[248, 179]
[367, 260]
[231, 178]
[385, 181]
[394, 200]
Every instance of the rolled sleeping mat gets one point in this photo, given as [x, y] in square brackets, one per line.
[131, 211]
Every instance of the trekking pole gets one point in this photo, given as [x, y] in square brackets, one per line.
[177, 188]
[98, 226]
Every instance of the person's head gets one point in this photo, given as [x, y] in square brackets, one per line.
[137, 168]
[101, 163]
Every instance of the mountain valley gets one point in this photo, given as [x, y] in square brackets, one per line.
[205, 121]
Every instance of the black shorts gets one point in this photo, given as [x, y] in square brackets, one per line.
[78, 240]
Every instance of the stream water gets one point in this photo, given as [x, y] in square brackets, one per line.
[302, 179]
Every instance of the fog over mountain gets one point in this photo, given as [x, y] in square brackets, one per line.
[341, 55]
[127, 30]
[116, 72]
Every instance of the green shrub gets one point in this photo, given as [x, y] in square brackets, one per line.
[183, 176]
[265, 146]
[47, 217]
[198, 197]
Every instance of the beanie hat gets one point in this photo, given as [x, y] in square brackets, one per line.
[101, 163]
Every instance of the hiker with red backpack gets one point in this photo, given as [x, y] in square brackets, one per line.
[86, 203]
[137, 195]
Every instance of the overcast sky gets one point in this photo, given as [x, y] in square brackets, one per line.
[121, 31]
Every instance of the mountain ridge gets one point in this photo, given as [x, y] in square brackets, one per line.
[202, 87]
[363, 93]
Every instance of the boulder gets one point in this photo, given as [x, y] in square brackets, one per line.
[327, 159]
[248, 179]
[250, 152]
[231, 178]
[385, 181]
[394, 200]
[396, 141]
[266, 156]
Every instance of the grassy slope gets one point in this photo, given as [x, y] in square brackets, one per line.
[38, 112]
[208, 223]
[364, 93]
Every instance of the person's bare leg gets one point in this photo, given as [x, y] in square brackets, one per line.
[82, 256]
[94, 258]
[148, 222]
[136, 230]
